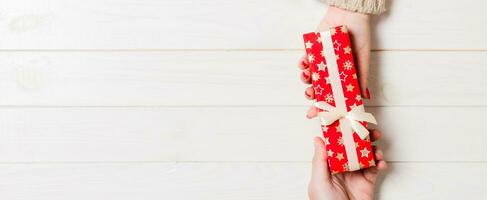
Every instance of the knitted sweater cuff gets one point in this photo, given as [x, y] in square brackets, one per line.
[374, 7]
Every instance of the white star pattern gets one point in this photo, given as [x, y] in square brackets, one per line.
[337, 129]
[337, 57]
[339, 156]
[329, 98]
[358, 98]
[344, 29]
[324, 128]
[332, 31]
[347, 65]
[354, 76]
[344, 76]
[315, 76]
[311, 58]
[308, 44]
[347, 50]
[321, 66]
[371, 162]
[327, 141]
[345, 167]
[319, 90]
[327, 79]
[330, 153]
[349, 87]
[323, 53]
[340, 141]
[336, 45]
[364, 152]
[318, 39]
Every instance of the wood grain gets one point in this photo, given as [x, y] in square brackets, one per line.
[144, 99]
[226, 78]
[225, 134]
[232, 181]
[223, 24]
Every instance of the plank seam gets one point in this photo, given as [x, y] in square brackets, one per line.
[223, 106]
[226, 50]
[205, 162]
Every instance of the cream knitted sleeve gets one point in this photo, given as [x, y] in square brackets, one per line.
[363, 6]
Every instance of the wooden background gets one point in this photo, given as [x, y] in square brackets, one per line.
[185, 99]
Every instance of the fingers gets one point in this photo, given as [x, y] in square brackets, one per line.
[309, 93]
[379, 159]
[378, 154]
[375, 135]
[381, 165]
[306, 76]
[371, 173]
[319, 171]
[312, 112]
[304, 65]
[303, 62]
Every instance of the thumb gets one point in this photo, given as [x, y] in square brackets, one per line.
[312, 112]
[319, 170]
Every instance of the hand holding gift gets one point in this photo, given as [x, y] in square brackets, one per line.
[343, 186]
[358, 24]
[357, 184]
[337, 93]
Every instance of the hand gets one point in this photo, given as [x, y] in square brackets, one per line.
[359, 30]
[343, 186]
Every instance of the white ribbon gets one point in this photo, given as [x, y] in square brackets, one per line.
[354, 116]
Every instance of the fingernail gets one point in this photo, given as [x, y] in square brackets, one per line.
[306, 76]
[367, 93]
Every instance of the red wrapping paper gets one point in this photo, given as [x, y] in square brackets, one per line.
[338, 40]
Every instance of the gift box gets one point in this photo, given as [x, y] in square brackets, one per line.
[337, 91]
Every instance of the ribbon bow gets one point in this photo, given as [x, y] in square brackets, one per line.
[331, 114]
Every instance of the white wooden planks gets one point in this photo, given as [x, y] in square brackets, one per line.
[233, 181]
[225, 134]
[201, 99]
[215, 78]
[223, 24]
